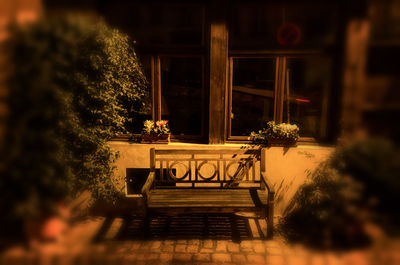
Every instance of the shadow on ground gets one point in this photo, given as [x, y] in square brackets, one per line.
[190, 226]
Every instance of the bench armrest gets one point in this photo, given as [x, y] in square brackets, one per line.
[148, 184]
[267, 183]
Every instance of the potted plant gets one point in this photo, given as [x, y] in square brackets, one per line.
[155, 133]
[282, 134]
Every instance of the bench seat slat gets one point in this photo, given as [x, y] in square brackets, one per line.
[203, 198]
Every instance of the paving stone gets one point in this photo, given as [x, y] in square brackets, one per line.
[239, 258]
[221, 257]
[259, 248]
[135, 245]
[294, 260]
[147, 256]
[207, 250]
[321, 260]
[129, 259]
[156, 245]
[167, 248]
[208, 243]
[233, 247]
[182, 257]
[145, 246]
[168, 242]
[274, 251]
[195, 242]
[165, 257]
[355, 258]
[246, 246]
[202, 257]
[180, 248]
[277, 260]
[125, 247]
[221, 246]
[253, 258]
[333, 259]
[192, 249]
[271, 244]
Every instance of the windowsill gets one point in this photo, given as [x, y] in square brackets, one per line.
[302, 143]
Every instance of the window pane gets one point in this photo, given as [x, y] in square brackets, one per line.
[142, 110]
[253, 87]
[306, 94]
[181, 94]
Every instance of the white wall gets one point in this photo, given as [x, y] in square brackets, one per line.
[286, 168]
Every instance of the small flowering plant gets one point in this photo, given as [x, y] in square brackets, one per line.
[159, 128]
[283, 133]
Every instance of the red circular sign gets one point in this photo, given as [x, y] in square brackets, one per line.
[289, 34]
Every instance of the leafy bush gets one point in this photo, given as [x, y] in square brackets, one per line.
[325, 212]
[74, 85]
[358, 184]
[375, 162]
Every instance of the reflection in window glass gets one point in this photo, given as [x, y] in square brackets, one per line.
[181, 94]
[306, 94]
[142, 110]
[253, 88]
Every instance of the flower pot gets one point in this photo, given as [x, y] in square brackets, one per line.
[155, 139]
[282, 142]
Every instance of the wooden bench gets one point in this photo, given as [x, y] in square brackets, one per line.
[235, 182]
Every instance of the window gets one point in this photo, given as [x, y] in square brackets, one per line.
[253, 89]
[169, 37]
[269, 61]
[292, 89]
[182, 94]
[307, 87]
[280, 67]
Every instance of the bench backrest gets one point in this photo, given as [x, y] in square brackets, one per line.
[206, 167]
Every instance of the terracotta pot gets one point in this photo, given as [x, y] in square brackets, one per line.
[282, 142]
[155, 139]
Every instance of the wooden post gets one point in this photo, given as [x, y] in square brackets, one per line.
[354, 77]
[218, 71]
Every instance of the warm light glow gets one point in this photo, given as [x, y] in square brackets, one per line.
[303, 100]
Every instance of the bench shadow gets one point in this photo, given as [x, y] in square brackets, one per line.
[182, 227]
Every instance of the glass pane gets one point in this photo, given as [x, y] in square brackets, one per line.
[268, 26]
[142, 111]
[158, 23]
[253, 87]
[307, 89]
[181, 94]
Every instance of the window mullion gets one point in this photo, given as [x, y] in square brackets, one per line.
[156, 87]
[279, 88]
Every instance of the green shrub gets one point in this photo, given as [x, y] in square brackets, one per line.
[325, 212]
[76, 83]
[359, 183]
[374, 162]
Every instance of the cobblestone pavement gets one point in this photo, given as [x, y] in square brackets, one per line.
[77, 247]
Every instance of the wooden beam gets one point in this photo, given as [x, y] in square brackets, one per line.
[218, 71]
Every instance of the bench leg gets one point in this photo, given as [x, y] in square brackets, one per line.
[270, 219]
